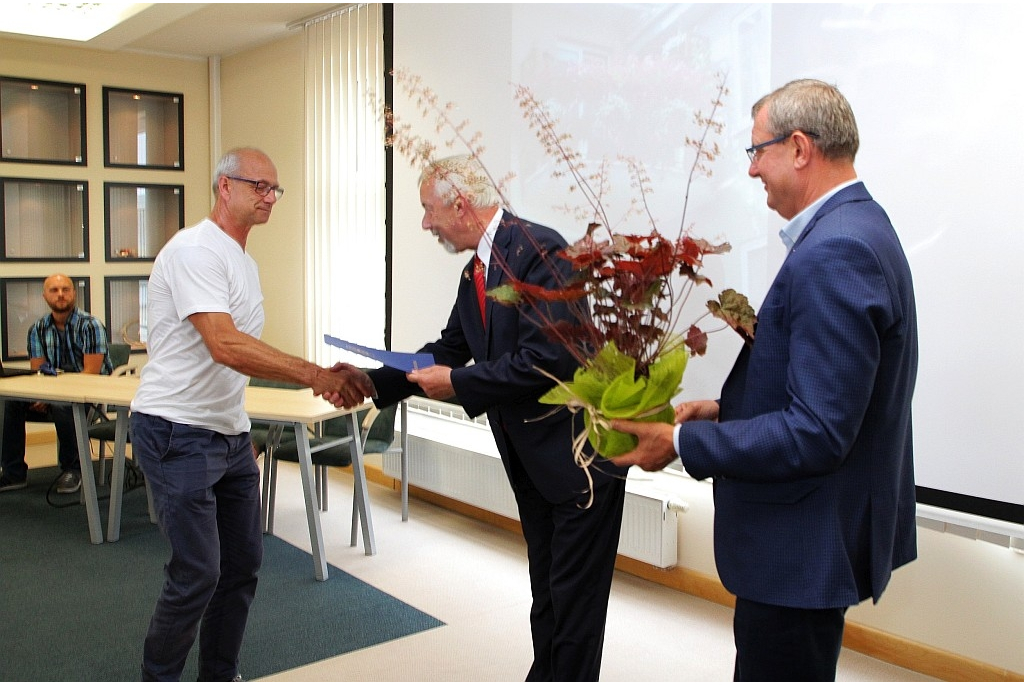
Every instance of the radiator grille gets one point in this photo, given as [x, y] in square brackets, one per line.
[452, 469]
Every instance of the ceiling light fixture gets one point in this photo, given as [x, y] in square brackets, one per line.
[80, 21]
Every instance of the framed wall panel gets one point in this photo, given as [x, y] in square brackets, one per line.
[42, 121]
[140, 218]
[143, 129]
[127, 302]
[44, 220]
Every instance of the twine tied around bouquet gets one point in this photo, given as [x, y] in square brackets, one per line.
[598, 424]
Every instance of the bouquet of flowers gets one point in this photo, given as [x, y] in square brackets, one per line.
[626, 290]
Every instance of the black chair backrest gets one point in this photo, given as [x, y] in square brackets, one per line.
[119, 354]
[382, 431]
[264, 383]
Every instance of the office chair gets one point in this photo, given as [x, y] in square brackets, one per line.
[376, 435]
[101, 424]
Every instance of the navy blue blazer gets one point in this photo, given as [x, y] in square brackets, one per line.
[812, 456]
[503, 381]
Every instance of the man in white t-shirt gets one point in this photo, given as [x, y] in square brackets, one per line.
[190, 431]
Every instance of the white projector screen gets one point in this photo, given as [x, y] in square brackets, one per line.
[938, 97]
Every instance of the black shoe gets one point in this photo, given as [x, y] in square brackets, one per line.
[69, 482]
[7, 483]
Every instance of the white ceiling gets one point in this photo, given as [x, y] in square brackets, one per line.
[199, 30]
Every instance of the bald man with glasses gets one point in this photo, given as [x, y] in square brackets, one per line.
[190, 432]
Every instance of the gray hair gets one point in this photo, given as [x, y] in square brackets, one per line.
[231, 164]
[461, 176]
[817, 108]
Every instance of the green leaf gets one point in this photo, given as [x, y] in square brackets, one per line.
[734, 309]
[505, 294]
[607, 388]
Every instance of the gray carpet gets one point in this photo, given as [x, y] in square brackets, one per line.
[73, 611]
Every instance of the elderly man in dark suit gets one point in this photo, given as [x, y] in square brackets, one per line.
[810, 444]
[571, 547]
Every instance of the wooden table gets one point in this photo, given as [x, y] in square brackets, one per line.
[76, 389]
[297, 408]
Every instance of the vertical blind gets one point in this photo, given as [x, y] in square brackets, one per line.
[345, 172]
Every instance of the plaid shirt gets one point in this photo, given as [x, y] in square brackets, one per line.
[83, 334]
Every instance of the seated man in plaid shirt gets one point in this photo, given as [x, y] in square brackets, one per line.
[69, 340]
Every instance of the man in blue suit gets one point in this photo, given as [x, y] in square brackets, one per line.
[810, 444]
[571, 547]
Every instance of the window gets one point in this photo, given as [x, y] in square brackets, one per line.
[345, 197]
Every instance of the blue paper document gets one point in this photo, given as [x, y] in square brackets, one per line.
[403, 361]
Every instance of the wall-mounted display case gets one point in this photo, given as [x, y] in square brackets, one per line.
[42, 121]
[127, 303]
[139, 218]
[23, 305]
[44, 220]
[143, 129]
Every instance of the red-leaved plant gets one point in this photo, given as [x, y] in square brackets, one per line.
[627, 289]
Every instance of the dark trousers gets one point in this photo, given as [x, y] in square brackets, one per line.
[572, 559]
[206, 493]
[784, 644]
[12, 458]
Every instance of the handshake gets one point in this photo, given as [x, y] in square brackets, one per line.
[343, 385]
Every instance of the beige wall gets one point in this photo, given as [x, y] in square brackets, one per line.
[262, 95]
[96, 69]
[262, 107]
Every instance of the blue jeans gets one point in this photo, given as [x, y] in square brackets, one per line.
[16, 413]
[206, 494]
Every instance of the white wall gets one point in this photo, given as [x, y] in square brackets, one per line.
[930, 85]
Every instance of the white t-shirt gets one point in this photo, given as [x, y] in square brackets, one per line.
[201, 269]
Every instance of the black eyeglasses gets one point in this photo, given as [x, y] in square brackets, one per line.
[262, 188]
[753, 150]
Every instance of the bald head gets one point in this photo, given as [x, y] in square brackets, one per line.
[60, 294]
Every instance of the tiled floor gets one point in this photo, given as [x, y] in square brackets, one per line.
[473, 577]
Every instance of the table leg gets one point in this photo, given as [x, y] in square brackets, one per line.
[274, 432]
[316, 533]
[92, 506]
[117, 475]
[361, 494]
[405, 461]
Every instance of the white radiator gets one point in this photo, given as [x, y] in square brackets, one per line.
[455, 456]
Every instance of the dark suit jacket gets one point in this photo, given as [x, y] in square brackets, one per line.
[812, 456]
[503, 380]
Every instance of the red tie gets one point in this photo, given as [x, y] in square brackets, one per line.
[479, 278]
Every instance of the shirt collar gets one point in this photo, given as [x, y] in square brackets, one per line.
[483, 249]
[790, 233]
[67, 322]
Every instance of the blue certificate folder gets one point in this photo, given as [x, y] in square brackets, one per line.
[403, 361]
